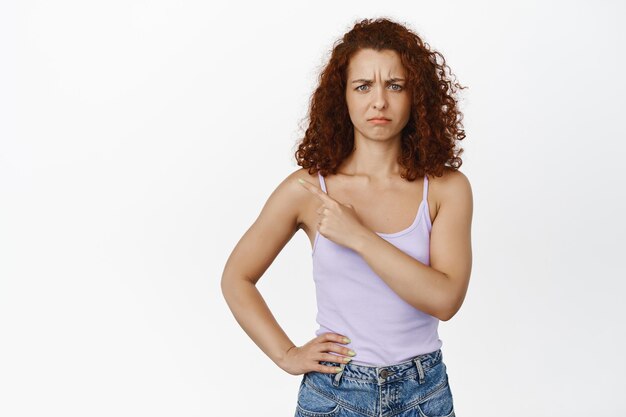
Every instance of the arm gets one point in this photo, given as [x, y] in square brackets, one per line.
[253, 254]
[438, 289]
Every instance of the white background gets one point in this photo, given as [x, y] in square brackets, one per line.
[140, 139]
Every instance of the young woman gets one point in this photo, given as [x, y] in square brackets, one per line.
[388, 215]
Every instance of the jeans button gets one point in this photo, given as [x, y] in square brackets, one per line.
[384, 373]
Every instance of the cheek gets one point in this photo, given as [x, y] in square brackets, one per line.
[406, 107]
[408, 111]
[352, 107]
[357, 109]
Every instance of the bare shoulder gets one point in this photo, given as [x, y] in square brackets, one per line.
[301, 196]
[291, 195]
[303, 173]
[452, 186]
[293, 187]
[451, 181]
[289, 191]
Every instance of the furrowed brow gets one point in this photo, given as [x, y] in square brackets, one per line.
[363, 80]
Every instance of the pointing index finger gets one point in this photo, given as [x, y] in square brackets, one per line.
[316, 190]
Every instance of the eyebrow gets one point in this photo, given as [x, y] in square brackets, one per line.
[363, 80]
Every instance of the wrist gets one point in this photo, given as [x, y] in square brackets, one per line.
[281, 360]
[362, 240]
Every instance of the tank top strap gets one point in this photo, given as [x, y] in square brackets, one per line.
[322, 182]
[425, 187]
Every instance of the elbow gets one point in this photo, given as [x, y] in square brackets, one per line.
[230, 292]
[227, 285]
[450, 302]
[447, 315]
[224, 286]
[449, 312]
[224, 283]
[231, 284]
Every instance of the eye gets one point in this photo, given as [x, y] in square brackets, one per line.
[398, 87]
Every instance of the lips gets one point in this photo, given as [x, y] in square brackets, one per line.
[380, 121]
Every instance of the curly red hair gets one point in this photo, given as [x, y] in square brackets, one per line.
[429, 137]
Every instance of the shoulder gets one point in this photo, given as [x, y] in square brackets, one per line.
[292, 194]
[291, 185]
[452, 180]
[452, 186]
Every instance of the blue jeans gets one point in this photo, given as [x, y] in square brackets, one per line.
[417, 387]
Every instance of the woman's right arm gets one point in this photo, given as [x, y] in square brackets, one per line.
[256, 250]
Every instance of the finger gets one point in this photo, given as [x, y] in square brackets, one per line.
[317, 191]
[328, 357]
[327, 369]
[335, 337]
[333, 347]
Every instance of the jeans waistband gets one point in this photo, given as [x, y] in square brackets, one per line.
[381, 374]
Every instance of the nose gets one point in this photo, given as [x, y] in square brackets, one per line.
[379, 98]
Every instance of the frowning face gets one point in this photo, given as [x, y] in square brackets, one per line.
[376, 89]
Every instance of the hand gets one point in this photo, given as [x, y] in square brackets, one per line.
[337, 221]
[300, 360]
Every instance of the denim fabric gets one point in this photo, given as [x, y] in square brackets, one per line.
[417, 387]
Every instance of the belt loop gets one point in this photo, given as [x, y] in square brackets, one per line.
[420, 370]
[338, 375]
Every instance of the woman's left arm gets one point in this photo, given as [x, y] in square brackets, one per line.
[438, 289]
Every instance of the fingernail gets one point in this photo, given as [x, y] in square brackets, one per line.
[300, 180]
[338, 369]
[346, 340]
[346, 360]
[352, 353]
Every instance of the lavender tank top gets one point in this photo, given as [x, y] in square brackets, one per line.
[354, 301]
